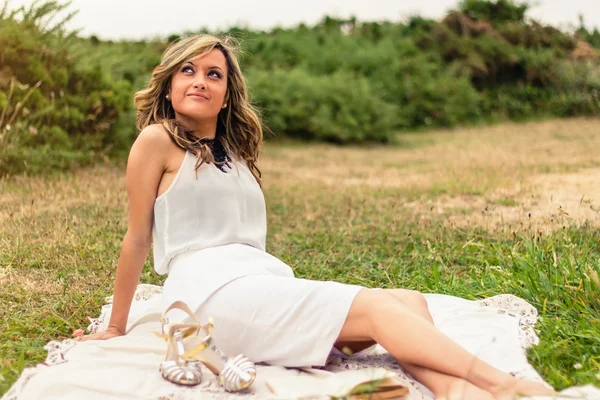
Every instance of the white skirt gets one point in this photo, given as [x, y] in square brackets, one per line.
[279, 320]
[259, 308]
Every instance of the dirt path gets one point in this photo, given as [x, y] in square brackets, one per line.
[544, 202]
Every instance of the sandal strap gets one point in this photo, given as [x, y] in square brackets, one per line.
[196, 350]
[180, 305]
[189, 328]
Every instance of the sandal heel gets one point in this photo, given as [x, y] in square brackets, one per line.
[174, 368]
[234, 374]
[186, 350]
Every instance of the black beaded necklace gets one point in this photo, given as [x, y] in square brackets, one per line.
[219, 153]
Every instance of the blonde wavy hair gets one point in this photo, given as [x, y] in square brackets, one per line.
[239, 126]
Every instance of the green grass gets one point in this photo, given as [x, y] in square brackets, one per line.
[506, 202]
[60, 238]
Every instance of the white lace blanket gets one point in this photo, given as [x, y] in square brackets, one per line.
[497, 329]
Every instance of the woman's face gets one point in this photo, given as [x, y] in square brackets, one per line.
[198, 88]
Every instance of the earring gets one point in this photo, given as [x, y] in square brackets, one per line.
[167, 97]
[224, 105]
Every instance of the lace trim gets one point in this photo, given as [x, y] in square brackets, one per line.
[143, 292]
[514, 306]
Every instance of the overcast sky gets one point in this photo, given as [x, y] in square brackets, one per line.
[114, 19]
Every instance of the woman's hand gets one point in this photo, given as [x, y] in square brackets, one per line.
[109, 333]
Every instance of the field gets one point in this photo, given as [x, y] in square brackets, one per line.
[473, 212]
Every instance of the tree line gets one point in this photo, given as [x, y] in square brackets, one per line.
[66, 99]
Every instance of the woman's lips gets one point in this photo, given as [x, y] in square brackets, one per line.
[198, 96]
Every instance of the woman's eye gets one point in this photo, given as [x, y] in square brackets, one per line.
[187, 68]
[215, 73]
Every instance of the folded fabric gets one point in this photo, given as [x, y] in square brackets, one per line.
[371, 383]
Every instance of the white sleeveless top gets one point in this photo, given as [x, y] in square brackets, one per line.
[214, 209]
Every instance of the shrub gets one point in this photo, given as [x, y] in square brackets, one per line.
[339, 108]
[72, 111]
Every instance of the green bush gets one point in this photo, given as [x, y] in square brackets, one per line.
[340, 108]
[577, 88]
[55, 108]
[396, 70]
[500, 10]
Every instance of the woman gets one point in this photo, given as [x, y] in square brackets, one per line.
[194, 192]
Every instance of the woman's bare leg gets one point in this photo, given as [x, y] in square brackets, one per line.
[443, 386]
[427, 354]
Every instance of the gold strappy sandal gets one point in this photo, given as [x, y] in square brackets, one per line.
[175, 369]
[186, 350]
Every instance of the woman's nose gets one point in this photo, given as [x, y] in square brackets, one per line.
[199, 82]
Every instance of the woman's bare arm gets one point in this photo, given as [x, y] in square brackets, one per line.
[145, 166]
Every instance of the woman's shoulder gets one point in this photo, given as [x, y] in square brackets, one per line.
[156, 146]
[156, 138]
[155, 133]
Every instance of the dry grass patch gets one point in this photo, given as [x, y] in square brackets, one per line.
[543, 203]
[512, 175]
[31, 281]
[23, 197]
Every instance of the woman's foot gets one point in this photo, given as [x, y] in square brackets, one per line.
[518, 388]
[463, 390]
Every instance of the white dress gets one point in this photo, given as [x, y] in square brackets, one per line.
[209, 236]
